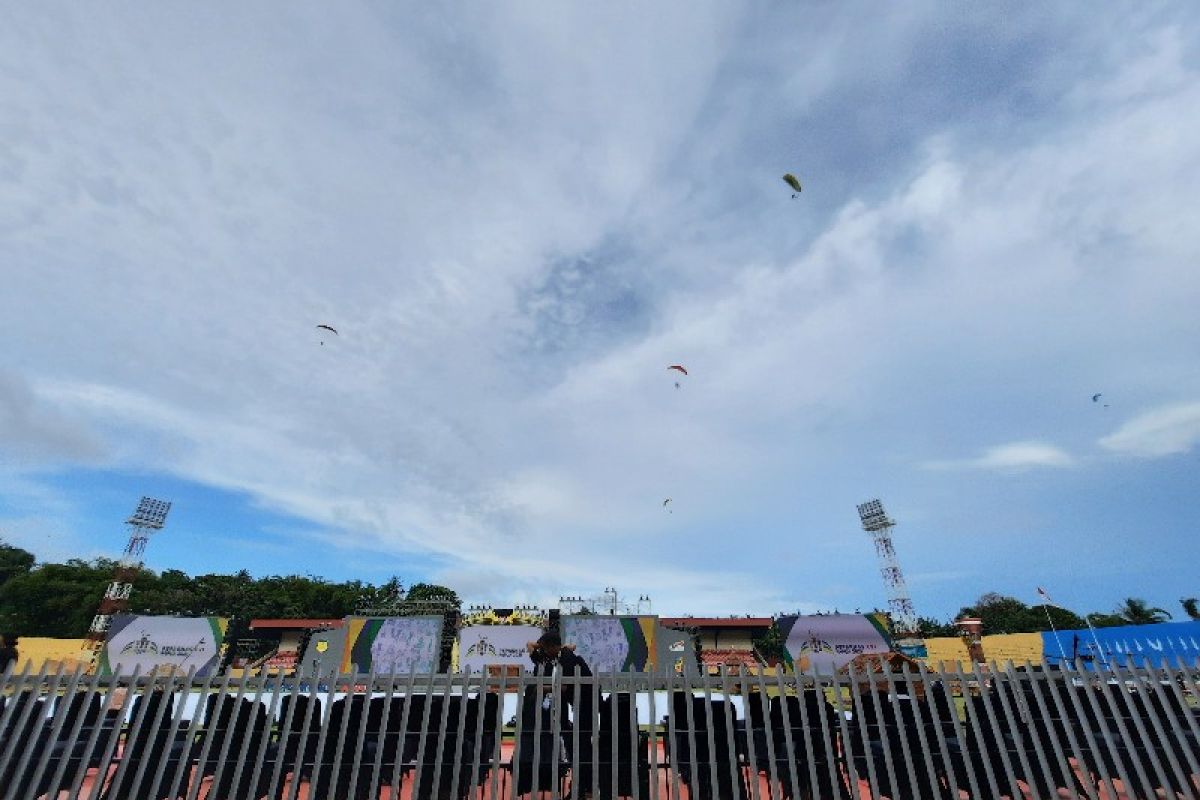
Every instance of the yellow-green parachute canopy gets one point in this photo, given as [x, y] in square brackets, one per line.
[792, 181]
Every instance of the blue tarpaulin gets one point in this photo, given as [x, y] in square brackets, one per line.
[1165, 643]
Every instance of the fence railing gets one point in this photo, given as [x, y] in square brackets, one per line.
[1008, 731]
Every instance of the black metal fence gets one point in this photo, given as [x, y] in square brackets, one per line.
[1004, 732]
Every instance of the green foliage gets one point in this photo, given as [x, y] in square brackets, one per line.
[59, 600]
[54, 599]
[1002, 614]
[930, 628]
[1136, 611]
[432, 593]
[14, 562]
[1189, 607]
[771, 643]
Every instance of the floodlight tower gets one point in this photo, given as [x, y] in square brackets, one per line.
[879, 525]
[149, 517]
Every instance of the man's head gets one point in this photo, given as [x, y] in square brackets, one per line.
[550, 643]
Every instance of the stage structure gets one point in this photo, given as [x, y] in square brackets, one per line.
[906, 632]
[608, 602]
[150, 516]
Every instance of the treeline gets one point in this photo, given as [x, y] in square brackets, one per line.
[60, 600]
[1004, 614]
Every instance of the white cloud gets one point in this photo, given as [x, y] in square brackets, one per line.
[1162, 432]
[1015, 456]
[517, 224]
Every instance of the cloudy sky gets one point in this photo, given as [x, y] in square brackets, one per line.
[518, 215]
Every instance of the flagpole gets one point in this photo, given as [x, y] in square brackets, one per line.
[1096, 639]
[1046, 608]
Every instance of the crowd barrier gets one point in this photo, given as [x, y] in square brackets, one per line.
[1003, 731]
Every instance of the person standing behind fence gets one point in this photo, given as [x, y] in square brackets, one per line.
[547, 654]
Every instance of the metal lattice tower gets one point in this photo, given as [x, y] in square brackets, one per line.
[149, 517]
[879, 525]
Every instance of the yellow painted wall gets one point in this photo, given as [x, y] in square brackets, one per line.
[1015, 647]
[37, 650]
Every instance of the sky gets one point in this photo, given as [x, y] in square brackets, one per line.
[518, 215]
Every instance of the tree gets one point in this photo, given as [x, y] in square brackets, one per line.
[931, 628]
[771, 644]
[1003, 614]
[1136, 611]
[429, 592]
[13, 562]
[56, 600]
[1189, 607]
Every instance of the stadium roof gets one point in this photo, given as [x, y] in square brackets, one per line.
[295, 623]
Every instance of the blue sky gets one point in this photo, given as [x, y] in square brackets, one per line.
[518, 216]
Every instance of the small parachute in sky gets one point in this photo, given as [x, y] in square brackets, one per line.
[1096, 397]
[665, 503]
[328, 328]
[680, 368]
[792, 181]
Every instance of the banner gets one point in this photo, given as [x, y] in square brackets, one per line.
[393, 644]
[482, 645]
[1164, 643]
[827, 642]
[324, 652]
[612, 643]
[676, 651]
[157, 643]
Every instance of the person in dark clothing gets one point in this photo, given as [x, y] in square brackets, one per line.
[538, 713]
[8, 652]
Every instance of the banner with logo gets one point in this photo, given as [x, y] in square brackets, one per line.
[392, 644]
[827, 642]
[480, 646]
[324, 652]
[677, 651]
[163, 643]
[612, 643]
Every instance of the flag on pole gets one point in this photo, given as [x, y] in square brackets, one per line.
[1046, 598]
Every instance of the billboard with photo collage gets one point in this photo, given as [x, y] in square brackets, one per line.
[613, 643]
[392, 644]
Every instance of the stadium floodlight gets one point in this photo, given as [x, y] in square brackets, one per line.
[150, 513]
[872, 516]
[876, 522]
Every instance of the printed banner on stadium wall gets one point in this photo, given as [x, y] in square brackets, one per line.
[827, 642]
[1127, 645]
[393, 644]
[482, 645]
[324, 652]
[677, 651]
[611, 643]
[135, 641]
